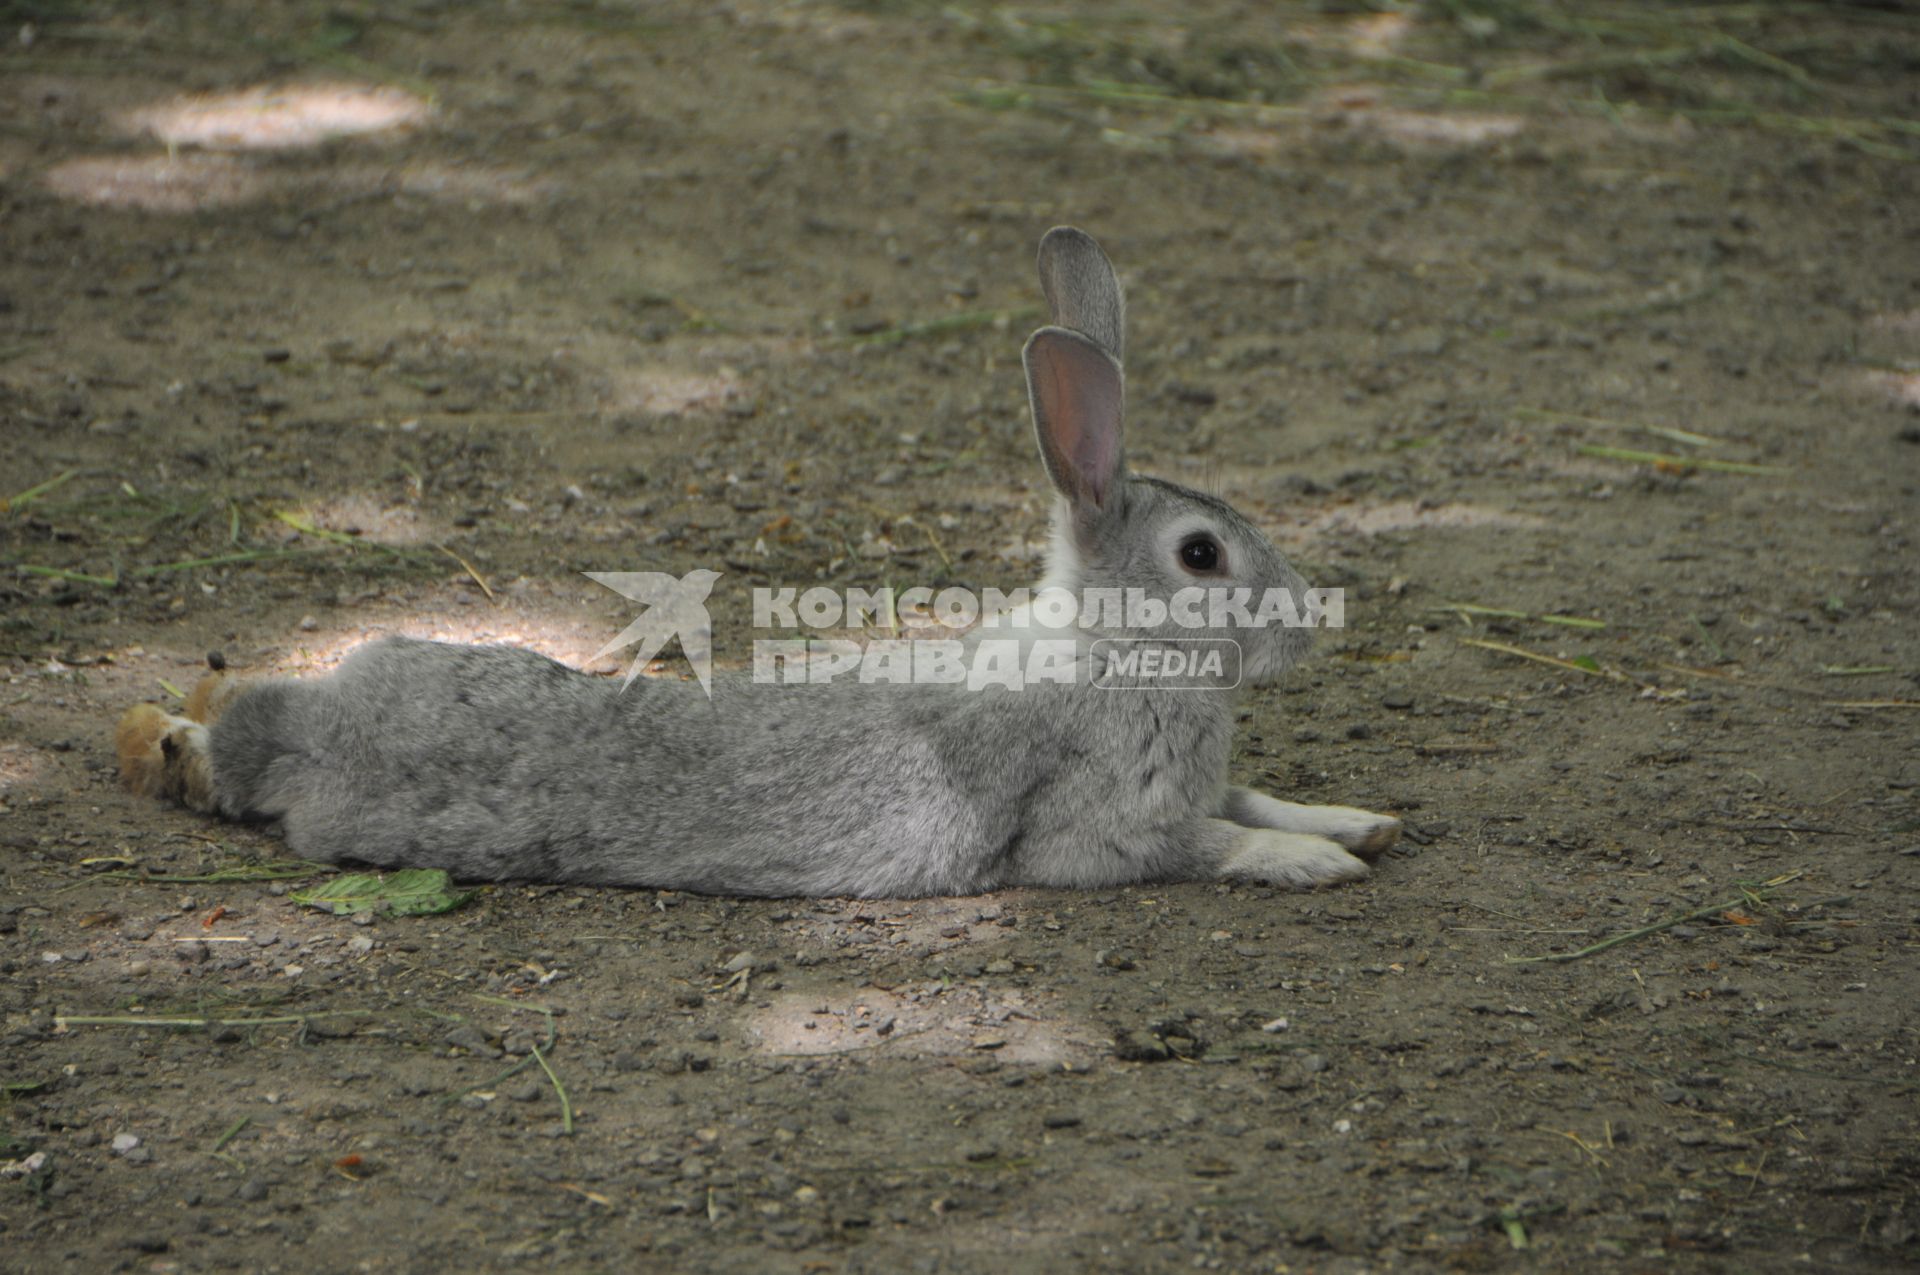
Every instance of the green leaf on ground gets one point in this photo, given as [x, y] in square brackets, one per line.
[408, 892]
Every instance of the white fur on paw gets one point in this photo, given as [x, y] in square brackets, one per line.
[1361, 831]
[1296, 860]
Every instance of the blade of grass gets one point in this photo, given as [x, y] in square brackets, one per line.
[468, 568]
[553, 1034]
[1570, 621]
[31, 494]
[225, 559]
[241, 872]
[138, 1020]
[1746, 896]
[306, 528]
[566, 1107]
[233, 1131]
[1612, 675]
[1672, 435]
[1677, 462]
[60, 573]
[1719, 653]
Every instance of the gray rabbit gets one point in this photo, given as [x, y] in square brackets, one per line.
[496, 763]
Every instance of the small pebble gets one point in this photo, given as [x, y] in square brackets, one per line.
[124, 1142]
[22, 1168]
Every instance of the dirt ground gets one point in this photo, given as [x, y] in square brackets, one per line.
[658, 287]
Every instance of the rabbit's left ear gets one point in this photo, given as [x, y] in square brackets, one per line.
[1078, 394]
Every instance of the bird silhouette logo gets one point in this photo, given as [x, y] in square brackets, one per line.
[674, 608]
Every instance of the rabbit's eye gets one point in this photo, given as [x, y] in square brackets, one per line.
[1200, 554]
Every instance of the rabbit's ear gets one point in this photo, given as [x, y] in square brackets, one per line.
[1082, 290]
[1077, 394]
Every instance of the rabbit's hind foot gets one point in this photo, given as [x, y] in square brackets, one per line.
[170, 757]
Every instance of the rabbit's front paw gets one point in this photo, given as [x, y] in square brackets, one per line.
[1296, 860]
[1363, 832]
[1360, 831]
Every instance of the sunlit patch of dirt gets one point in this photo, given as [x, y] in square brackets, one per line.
[1402, 515]
[368, 519]
[19, 767]
[1371, 36]
[1359, 109]
[667, 393]
[157, 183]
[929, 1020]
[1901, 387]
[183, 183]
[278, 117]
[1425, 128]
[1378, 35]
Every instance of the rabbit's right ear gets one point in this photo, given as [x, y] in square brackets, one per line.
[1078, 396]
[1083, 292]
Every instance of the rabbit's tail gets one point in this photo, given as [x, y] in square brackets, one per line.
[170, 756]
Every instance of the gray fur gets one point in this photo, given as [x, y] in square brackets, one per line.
[497, 763]
[1083, 292]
